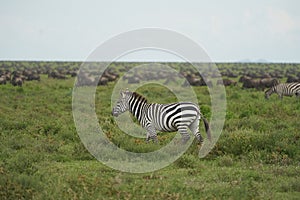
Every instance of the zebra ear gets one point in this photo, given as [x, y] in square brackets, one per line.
[127, 91]
[122, 93]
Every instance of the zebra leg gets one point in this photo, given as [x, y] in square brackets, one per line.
[194, 127]
[185, 136]
[148, 137]
[151, 135]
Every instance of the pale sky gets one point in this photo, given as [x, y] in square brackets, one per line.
[229, 30]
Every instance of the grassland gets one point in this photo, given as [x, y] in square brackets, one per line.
[42, 157]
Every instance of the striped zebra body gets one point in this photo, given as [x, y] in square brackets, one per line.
[162, 117]
[284, 89]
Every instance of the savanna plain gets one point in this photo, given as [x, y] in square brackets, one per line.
[257, 155]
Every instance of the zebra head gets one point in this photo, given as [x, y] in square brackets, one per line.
[122, 104]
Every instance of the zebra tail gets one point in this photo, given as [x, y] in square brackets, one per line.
[207, 128]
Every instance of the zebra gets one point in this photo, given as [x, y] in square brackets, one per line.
[284, 89]
[162, 117]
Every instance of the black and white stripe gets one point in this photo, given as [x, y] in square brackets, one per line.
[162, 117]
[284, 89]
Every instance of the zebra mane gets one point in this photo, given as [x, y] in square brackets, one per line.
[138, 96]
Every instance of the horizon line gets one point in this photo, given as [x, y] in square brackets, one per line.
[154, 61]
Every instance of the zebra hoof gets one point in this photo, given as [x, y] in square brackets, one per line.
[184, 140]
[200, 139]
[147, 140]
[155, 140]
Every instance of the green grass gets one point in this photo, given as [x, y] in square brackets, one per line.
[42, 157]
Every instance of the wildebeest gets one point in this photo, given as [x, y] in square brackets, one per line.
[17, 81]
[243, 78]
[250, 83]
[268, 82]
[32, 77]
[6, 75]
[72, 73]
[103, 81]
[111, 76]
[259, 84]
[2, 80]
[194, 80]
[133, 79]
[83, 79]
[57, 75]
[291, 79]
[226, 82]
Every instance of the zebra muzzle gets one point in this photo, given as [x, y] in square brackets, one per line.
[115, 114]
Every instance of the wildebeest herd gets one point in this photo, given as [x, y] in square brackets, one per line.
[18, 74]
[260, 77]
[17, 78]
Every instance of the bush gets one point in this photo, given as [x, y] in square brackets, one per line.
[225, 161]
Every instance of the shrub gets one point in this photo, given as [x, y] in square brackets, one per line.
[225, 161]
